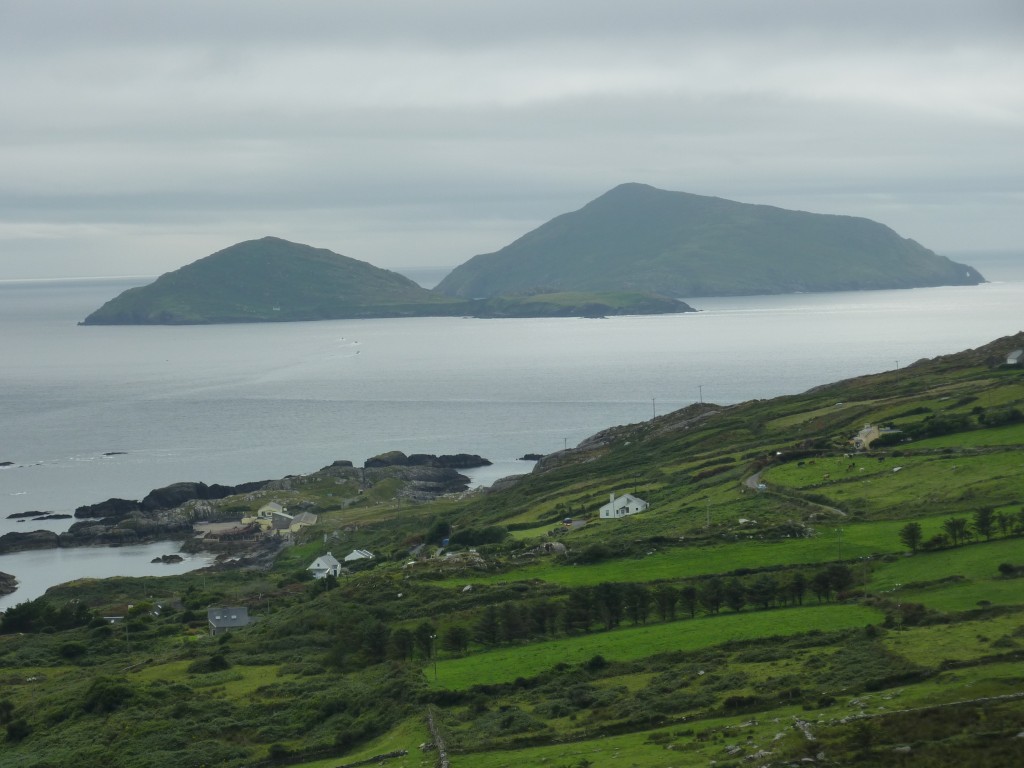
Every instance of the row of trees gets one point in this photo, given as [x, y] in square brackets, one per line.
[986, 522]
[610, 604]
[368, 640]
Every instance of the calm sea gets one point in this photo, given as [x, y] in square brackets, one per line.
[88, 413]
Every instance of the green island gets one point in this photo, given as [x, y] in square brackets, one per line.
[829, 578]
[274, 280]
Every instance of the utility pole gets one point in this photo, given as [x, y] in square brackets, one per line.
[700, 393]
[565, 443]
[653, 412]
[433, 654]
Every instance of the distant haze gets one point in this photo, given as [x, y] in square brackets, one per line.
[140, 137]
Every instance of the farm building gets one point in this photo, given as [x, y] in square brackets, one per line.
[1015, 357]
[621, 506]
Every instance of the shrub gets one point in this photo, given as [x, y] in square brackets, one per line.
[216, 663]
[106, 695]
[72, 650]
[18, 730]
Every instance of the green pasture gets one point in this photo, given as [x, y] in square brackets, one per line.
[978, 561]
[965, 596]
[407, 735]
[1012, 434]
[835, 411]
[857, 540]
[982, 478]
[238, 682]
[626, 644]
[962, 641]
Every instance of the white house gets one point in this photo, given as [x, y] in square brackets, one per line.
[620, 506]
[1015, 357]
[325, 565]
[358, 554]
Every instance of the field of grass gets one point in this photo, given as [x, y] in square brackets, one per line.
[858, 540]
[997, 436]
[407, 735]
[932, 645]
[977, 562]
[506, 664]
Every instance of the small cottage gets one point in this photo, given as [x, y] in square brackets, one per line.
[225, 619]
[1015, 357]
[325, 565]
[621, 506]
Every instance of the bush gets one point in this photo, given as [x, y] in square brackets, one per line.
[72, 650]
[106, 695]
[216, 663]
[18, 730]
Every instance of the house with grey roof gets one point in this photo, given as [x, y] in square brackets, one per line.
[225, 619]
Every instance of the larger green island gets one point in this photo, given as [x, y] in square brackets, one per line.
[639, 238]
[634, 250]
[833, 578]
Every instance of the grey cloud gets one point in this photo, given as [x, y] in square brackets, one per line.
[408, 131]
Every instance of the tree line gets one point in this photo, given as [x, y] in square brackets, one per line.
[985, 522]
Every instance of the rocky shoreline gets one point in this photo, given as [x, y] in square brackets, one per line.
[169, 513]
[8, 584]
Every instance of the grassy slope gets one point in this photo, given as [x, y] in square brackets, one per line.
[283, 691]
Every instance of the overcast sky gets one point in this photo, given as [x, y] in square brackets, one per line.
[137, 137]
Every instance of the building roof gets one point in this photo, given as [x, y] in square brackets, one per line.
[624, 500]
[324, 563]
[230, 617]
[358, 554]
[304, 518]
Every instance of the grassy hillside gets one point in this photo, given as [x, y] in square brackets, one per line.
[786, 597]
[638, 238]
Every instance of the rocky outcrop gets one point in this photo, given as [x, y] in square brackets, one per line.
[177, 494]
[168, 559]
[115, 508]
[168, 497]
[20, 542]
[8, 584]
[450, 461]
